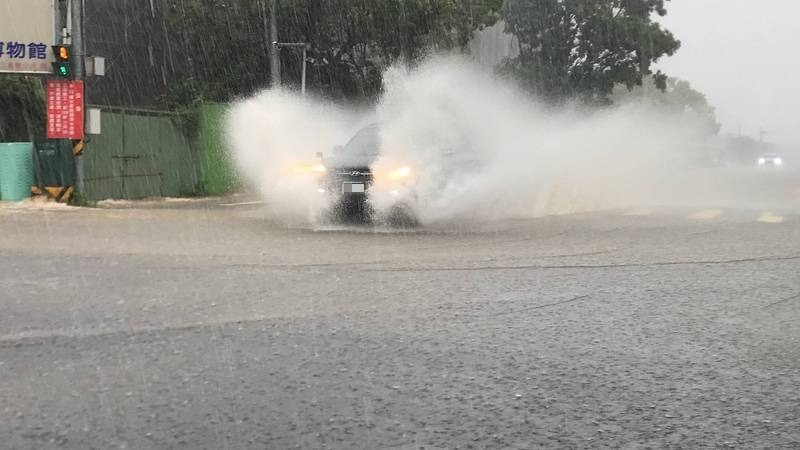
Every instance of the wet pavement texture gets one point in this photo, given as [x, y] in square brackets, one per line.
[213, 327]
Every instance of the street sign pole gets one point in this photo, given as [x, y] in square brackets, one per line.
[305, 46]
[303, 82]
[79, 61]
[274, 56]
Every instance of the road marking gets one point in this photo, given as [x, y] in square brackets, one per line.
[768, 217]
[707, 214]
[242, 203]
[639, 212]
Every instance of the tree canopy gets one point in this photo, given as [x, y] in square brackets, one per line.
[218, 49]
[352, 42]
[22, 108]
[583, 48]
[568, 48]
[677, 98]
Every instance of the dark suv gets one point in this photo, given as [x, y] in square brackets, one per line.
[350, 177]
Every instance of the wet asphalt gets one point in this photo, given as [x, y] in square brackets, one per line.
[197, 325]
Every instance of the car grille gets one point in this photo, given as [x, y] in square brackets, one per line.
[351, 175]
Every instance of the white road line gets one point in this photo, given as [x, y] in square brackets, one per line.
[242, 203]
[768, 217]
[707, 214]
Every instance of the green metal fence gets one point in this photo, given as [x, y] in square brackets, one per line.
[143, 153]
[140, 154]
[217, 173]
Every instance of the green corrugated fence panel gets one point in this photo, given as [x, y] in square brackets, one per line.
[101, 168]
[140, 156]
[177, 160]
[141, 171]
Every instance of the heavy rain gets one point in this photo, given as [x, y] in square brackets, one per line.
[399, 224]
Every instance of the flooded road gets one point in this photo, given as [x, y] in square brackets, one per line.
[204, 325]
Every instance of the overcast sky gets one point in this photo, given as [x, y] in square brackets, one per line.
[745, 56]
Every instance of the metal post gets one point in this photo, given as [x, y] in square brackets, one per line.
[78, 49]
[274, 53]
[305, 46]
[66, 39]
[303, 82]
[60, 27]
[79, 72]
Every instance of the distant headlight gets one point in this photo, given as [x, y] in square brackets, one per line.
[778, 162]
[400, 173]
[762, 161]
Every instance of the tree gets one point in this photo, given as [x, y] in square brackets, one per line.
[677, 98]
[583, 48]
[225, 47]
[22, 108]
[352, 42]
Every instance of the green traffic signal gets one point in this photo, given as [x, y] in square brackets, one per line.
[62, 69]
[62, 55]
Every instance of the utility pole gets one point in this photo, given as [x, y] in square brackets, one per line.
[305, 61]
[79, 73]
[78, 48]
[274, 51]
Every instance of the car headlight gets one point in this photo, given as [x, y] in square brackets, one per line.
[400, 173]
[762, 161]
[304, 169]
[778, 162]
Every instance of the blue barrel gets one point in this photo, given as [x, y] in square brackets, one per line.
[16, 171]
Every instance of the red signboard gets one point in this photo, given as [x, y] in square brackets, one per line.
[64, 109]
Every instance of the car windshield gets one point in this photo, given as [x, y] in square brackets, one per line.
[365, 142]
[362, 149]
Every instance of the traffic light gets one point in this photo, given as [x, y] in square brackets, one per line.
[62, 67]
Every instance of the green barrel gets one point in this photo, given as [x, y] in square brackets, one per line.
[16, 171]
